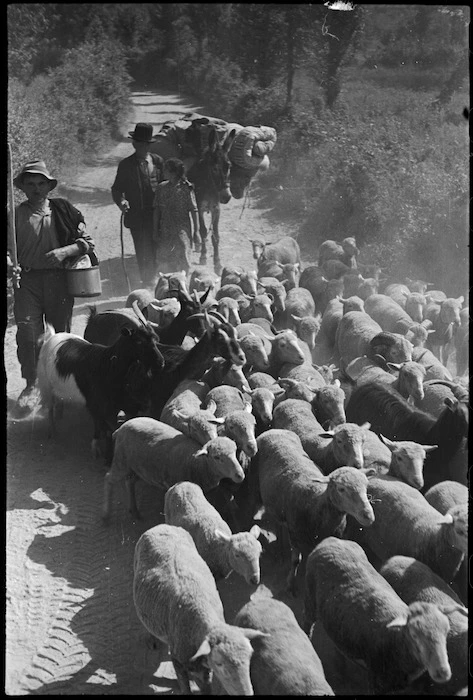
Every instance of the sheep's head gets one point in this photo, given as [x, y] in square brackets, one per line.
[244, 552]
[221, 454]
[426, 629]
[329, 404]
[348, 491]
[456, 519]
[407, 460]
[347, 443]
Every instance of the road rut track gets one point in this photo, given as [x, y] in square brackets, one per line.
[71, 627]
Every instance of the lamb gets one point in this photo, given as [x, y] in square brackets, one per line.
[177, 601]
[305, 372]
[405, 523]
[186, 506]
[342, 446]
[399, 292]
[262, 401]
[370, 623]
[287, 273]
[413, 581]
[417, 285]
[162, 456]
[296, 493]
[259, 306]
[284, 662]
[285, 348]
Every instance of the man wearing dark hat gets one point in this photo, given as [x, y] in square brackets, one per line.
[48, 232]
[133, 192]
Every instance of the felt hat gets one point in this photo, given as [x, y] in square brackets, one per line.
[143, 132]
[35, 167]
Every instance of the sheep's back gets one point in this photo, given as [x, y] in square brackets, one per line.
[174, 592]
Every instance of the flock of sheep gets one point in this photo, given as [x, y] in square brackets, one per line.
[312, 403]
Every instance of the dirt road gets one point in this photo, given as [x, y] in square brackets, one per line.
[71, 627]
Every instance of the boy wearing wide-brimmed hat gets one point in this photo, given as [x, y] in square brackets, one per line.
[48, 232]
[133, 192]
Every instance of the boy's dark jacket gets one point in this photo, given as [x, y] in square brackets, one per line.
[67, 219]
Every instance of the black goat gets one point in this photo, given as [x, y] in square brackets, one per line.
[219, 339]
[392, 416]
[70, 369]
[105, 327]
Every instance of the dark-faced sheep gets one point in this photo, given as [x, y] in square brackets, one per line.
[370, 623]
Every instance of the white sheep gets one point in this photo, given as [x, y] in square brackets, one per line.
[177, 601]
[342, 446]
[284, 662]
[229, 309]
[405, 523]
[447, 494]
[185, 505]
[406, 462]
[162, 456]
[368, 621]
[296, 493]
[414, 581]
[408, 382]
[239, 423]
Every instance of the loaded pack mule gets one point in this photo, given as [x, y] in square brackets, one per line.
[209, 172]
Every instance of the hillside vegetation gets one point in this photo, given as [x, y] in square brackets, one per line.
[369, 107]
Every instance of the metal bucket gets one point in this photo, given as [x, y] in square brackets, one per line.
[84, 282]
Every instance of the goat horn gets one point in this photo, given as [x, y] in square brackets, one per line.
[139, 313]
[218, 315]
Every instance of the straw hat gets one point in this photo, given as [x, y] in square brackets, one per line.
[36, 167]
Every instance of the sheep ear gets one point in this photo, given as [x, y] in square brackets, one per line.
[203, 650]
[400, 621]
[429, 448]
[366, 425]
[253, 634]
[287, 382]
[202, 451]
[212, 406]
[448, 519]
[461, 300]
[222, 535]
[296, 318]
[255, 531]
[447, 609]
[178, 414]
[217, 421]
[410, 400]
[327, 434]
[369, 472]
[248, 407]
[389, 443]
[394, 365]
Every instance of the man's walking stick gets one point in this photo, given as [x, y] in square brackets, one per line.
[11, 228]
[123, 253]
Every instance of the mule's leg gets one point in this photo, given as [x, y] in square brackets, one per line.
[203, 236]
[216, 239]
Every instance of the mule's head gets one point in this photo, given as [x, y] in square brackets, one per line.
[211, 173]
